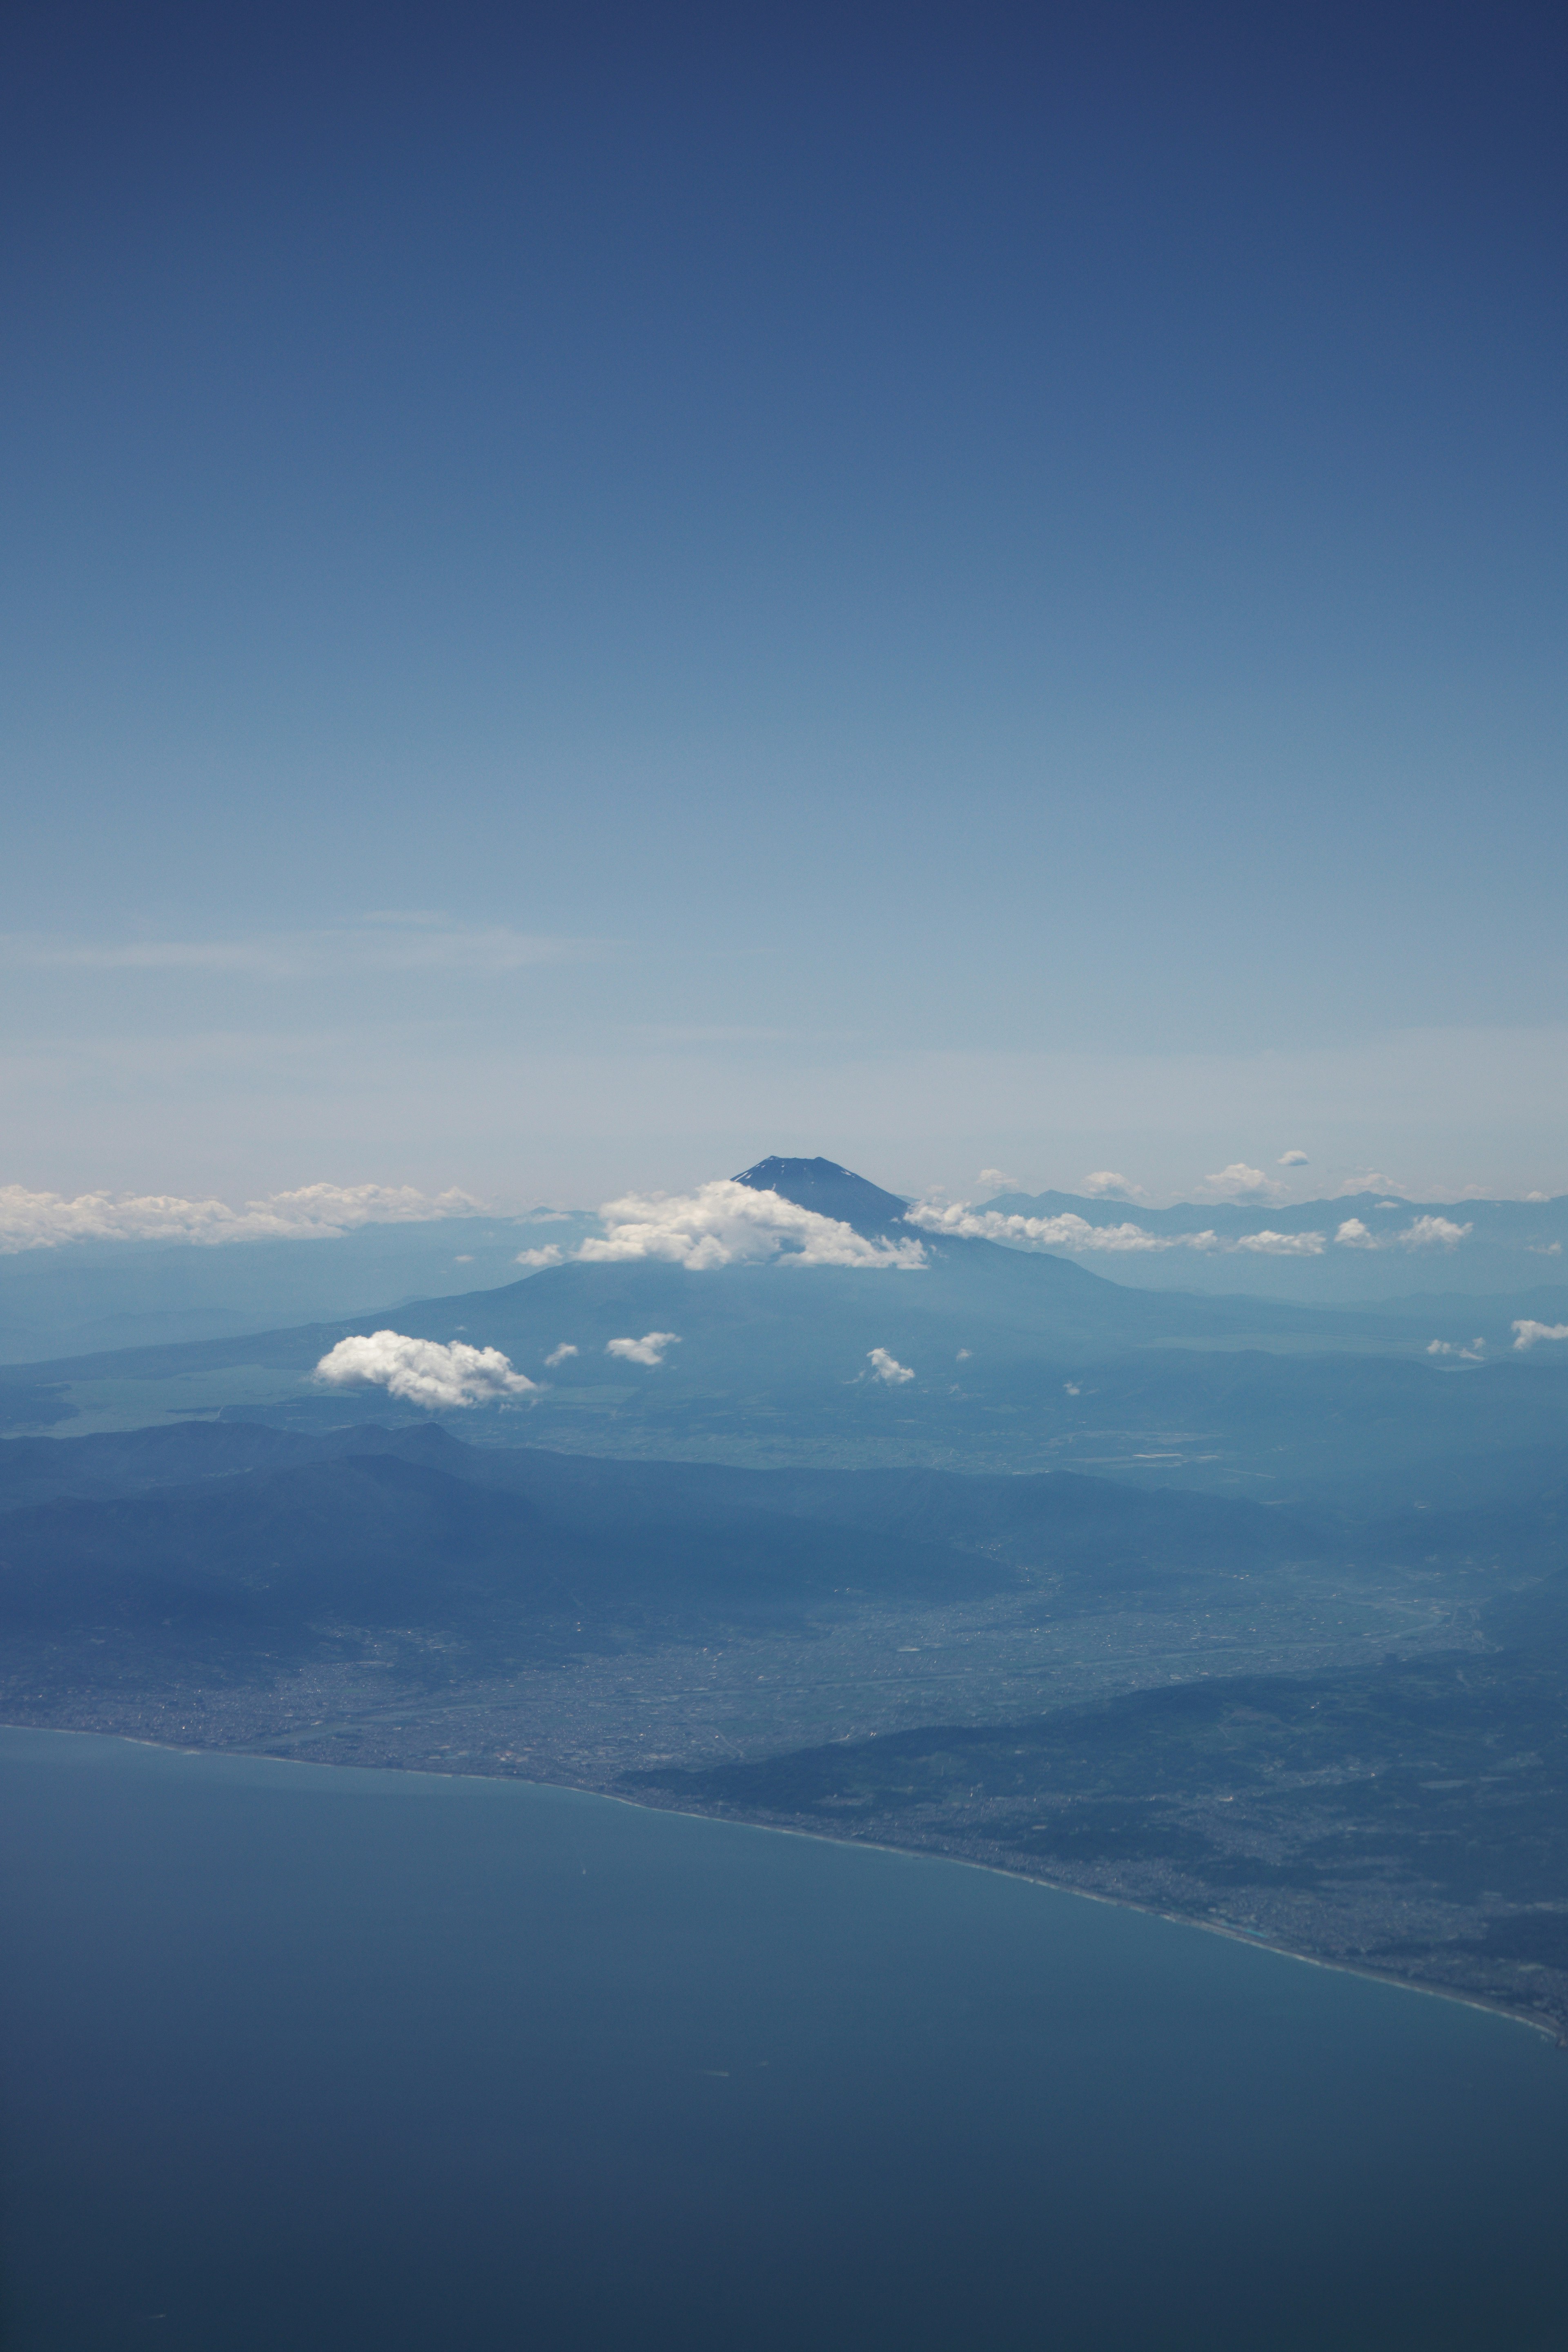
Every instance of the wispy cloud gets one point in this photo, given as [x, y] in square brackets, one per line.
[423, 1372]
[316, 1211]
[726, 1223]
[558, 1355]
[387, 942]
[1473, 1354]
[997, 1178]
[1272, 1244]
[1371, 1180]
[1527, 1334]
[649, 1350]
[888, 1368]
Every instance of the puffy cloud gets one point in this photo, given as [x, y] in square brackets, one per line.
[1240, 1183]
[1474, 1354]
[726, 1223]
[1432, 1233]
[1369, 1180]
[994, 1176]
[888, 1368]
[551, 1254]
[649, 1350]
[1527, 1334]
[1069, 1232]
[1291, 1159]
[316, 1211]
[558, 1355]
[1105, 1184]
[423, 1372]
[1421, 1233]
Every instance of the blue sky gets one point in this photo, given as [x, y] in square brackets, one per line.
[589, 593]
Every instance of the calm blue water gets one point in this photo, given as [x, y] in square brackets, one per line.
[305, 2058]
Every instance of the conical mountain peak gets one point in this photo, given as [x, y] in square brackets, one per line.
[829, 1190]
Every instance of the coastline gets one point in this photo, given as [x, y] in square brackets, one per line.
[1250, 1939]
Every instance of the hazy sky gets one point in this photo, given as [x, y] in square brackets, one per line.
[590, 594]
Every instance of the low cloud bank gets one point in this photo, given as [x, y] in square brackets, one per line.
[423, 1372]
[1069, 1231]
[726, 1223]
[31, 1221]
[1076, 1233]
[1527, 1334]
[648, 1350]
[888, 1368]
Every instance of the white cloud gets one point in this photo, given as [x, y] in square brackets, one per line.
[1066, 1231]
[1474, 1354]
[1432, 1233]
[1526, 1334]
[1069, 1232]
[888, 1368]
[1422, 1232]
[551, 1254]
[316, 1211]
[1369, 1180]
[726, 1223]
[423, 1372]
[963, 1354]
[995, 1176]
[1292, 1160]
[558, 1355]
[648, 1350]
[1240, 1183]
[1105, 1184]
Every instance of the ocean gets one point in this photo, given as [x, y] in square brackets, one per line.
[300, 2058]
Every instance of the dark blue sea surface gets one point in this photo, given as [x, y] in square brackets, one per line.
[300, 2058]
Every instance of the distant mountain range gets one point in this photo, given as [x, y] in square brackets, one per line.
[984, 1357]
[1372, 1248]
[92, 1297]
[1247, 1608]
